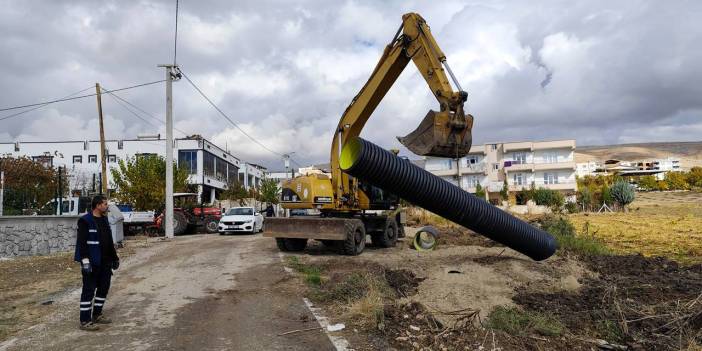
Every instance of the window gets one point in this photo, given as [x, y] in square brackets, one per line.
[46, 161]
[449, 164]
[518, 179]
[232, 173]
[111, 158]
[550, 178]
[77, 159]
[220, 169]
[496, 166]
[472, 181]
[92, 158]
[493, 146]
[208, 164]
[551, 157]
[519, 158]
[188, 160]
[471, 160]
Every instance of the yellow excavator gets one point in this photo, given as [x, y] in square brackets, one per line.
[350, 209]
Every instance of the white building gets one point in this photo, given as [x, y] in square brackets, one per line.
[548, 164]
[655, 167]
[210, 167]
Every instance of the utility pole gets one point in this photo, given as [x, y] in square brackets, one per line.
[103, 188]
[2, 190]
[168, 216]
[60, 192]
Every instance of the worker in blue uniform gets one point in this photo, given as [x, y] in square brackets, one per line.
[96, 253]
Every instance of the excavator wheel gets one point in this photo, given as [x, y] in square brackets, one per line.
[387, 237]
[355, 240]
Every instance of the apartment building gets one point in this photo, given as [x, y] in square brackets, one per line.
[547, 164]
[210, 167]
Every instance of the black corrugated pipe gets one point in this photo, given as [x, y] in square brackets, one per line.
[369, 162]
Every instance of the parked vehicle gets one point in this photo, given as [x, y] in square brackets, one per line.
[241, 219]
[70, 206]
[188, 216]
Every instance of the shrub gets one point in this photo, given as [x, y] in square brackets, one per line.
[550, 198]
[623, 193]
[648, 183]
[479, 191]
[677, 181]
[564, 232]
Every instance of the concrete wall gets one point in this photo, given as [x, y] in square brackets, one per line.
[36, 235]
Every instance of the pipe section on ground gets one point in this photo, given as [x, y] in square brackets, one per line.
[371, 163]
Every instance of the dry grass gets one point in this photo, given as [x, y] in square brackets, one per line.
[658, 224]
[420, 217]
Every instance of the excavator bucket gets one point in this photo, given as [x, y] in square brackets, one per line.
[441, 134]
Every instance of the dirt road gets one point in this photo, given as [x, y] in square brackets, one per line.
[202, 292]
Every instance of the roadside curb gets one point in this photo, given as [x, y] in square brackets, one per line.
[339, 342]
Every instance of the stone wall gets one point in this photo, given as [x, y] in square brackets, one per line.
[36, 235]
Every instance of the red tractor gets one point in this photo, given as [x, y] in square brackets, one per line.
[189, 217]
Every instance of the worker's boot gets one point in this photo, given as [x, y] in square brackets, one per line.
[89, 326]
[100, 319]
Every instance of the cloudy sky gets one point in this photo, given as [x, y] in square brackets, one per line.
[601, 72]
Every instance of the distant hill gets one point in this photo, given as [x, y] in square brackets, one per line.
[690, 153]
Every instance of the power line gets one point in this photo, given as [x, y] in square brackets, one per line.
[77, 97]
[40, 106]
[117, 97]
[132, 112]
[227, 117]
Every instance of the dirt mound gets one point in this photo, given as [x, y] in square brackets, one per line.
[463, 237]
[644, 303]
[403, 281]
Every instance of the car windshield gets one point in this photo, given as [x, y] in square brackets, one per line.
[240, 211]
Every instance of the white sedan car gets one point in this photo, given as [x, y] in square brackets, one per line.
[241, 219]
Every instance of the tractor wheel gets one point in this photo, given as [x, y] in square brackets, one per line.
[355, 240]
[211, 225]
[180, 223]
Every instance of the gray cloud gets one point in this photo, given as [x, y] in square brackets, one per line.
[597, 71]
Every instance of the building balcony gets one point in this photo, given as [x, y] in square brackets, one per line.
[444, 172]
[556, 144]
[513, 166]
[555, 165]
[526, 145]
[474, 168]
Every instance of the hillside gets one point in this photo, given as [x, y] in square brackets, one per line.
[690, 153]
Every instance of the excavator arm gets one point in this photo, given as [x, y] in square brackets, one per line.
[446, 133]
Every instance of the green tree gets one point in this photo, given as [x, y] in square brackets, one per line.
[586, 198]
[606, 196]
[694, 177]
[235, 192]
[676, 181]
[504, 193]
[648, 183]
[479, 191]
[28, 184]
[623, 193]
[270, 191]
[141, 181]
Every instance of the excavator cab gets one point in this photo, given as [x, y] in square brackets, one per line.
[441, 134]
